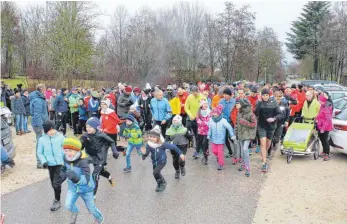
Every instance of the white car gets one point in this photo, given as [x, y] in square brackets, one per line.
[338, 135]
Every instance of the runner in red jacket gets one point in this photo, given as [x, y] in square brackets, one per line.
[109, 120]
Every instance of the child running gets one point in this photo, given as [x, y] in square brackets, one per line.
[80, 180]
[180, 136]
[82, 116]
[134, 135]
[96, 144]
[51, 155]
[245, 130]
[157, 147]
[203, 119]
[217, 134]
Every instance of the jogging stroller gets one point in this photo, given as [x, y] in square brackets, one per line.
[301, 139]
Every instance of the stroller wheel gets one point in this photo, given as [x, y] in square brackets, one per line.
[282, 153]
[289, 158]
[316, 150]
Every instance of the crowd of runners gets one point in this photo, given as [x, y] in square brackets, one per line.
[245, 117]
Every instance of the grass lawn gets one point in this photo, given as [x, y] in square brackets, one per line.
[14, 82]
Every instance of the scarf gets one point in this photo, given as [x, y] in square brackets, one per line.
[76, 156]
[154, 145]
[217, 119]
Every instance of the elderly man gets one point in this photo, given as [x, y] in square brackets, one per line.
[161, 111]
[38, 111]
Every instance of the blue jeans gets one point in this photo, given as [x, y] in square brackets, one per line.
[88, 199]
[25, 123]
[245, 153]
[128, 154]
[19, 122]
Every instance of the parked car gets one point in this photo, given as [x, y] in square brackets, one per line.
[339, 105]
[331, 87]
[6, 139]
[337, 94]
[6, 114]
[339, 133]
[314, 82]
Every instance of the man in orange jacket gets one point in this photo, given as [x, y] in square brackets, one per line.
[182, 95]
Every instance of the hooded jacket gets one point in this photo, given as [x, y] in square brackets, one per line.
[175, 105]
[109, 121]
[59, 104]
[17, 106]
[158, 153]
[203, 123]
[38, 108]
[84, 169]
[311, 111]
[50, 149]
[123, 105]
[73, 102]
[26, 103]
[325, 117]
[96, 145]
[82, 113]
[179, 136]
[161, 109]
[134, 134]
[246, 125]
[228, 107]
[217, 131]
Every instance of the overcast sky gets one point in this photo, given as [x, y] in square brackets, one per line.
[275, 14]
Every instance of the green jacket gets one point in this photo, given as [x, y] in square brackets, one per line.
[246, 125]
[312, 110]
[73, 100]
[134, 134]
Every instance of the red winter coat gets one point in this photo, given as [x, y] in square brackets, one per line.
[109, 121]
[183, 99]
[253, 101]
[294, 108]
[86, 102]
[301, 99]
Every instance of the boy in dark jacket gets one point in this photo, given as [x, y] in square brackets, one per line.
[157, 147]
[82, 116]
[18, 109]
[179, 136]
[96, 145]
[26, 102]
[78, 171]
[60, 106]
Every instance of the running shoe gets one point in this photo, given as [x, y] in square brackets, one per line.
[234, 161]
[241, 168]
[247, 173]
[196, 155]
[220, 167]
[264, 168]
[326, 158]
[257, 150]
[250, 151]
[112, 182]
[127, 169]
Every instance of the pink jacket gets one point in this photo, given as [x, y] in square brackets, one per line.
[203, 124]
[325, 117]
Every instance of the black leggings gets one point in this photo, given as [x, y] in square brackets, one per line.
[324, 138]
[227, 143]
[74, 117]
[61, 120]
[157, 172]
[202, 144]
[56, 180]
[176, 158]
[99, 170]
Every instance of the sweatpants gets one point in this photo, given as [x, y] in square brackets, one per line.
[56, 180]
[324, 138]
[202, 145]
[61, 120]
[81, 126]
[177, 163]
[245, 153]
[74, 120]
[193, 127]
[218, 150]
[99, 169]
[227, 143]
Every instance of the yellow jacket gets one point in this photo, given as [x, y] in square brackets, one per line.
[175, 105]
[312, 111]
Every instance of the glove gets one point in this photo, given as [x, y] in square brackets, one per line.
[72, 176]
[60, 114]
[270, 120]
[128, 104]
[233, 138]
[115, 155]
[45, 165]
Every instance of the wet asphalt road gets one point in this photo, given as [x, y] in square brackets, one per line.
[204, 195]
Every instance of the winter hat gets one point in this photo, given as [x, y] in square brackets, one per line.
[107, 102]
[244, 103]
[93, 122]
[254, 89]
[137, 90]
[63, 90]
[95, 94]
[131, 118]
[265, 91]
[72, 143]
[202, 102]
[217, 110]
[156, 132]
[322, 98]
[227, 91]
[177, 119]
[169, 88]
[48, 125]
[148, 86]
[74, 89]
[293, 86]
[128, 89]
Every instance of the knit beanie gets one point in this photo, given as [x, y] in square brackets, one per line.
[72, 143]
[177, 120]
[128, 89]
[63, 90]
[265, 91]
[137, 90]
[254, 89]
[106, 101]
[95, 94]
[155, 132]
[93, 122]
[131, 118]
[227, 91]
[293, 86]
[48, 125]
[217, 110]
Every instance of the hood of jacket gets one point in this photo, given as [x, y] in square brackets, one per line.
[36, 94]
